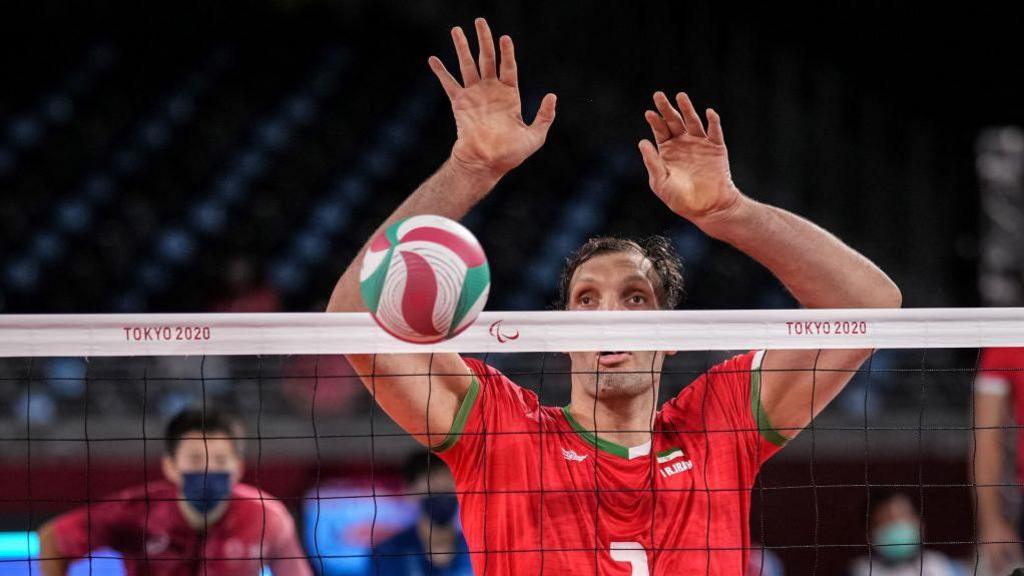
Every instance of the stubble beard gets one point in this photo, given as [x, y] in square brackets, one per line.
[623, 385]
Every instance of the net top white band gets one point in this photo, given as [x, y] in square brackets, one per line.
[496, 332]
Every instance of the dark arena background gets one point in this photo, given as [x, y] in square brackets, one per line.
[210, 157]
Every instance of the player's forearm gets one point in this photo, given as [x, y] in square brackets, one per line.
[987, 477]
[54, 567]
[288, 557]
[295, 565]
[451, 192]
[987, 462]
[50, 557]
[817, 268]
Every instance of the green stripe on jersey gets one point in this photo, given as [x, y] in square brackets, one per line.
[669, 455]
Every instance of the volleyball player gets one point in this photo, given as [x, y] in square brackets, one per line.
[998, 403]
[433, 545]
[198, 520]
[611, 484]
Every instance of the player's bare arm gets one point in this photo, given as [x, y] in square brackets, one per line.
[688, 169]
[991, 415]
[48, 548]
[492, 139]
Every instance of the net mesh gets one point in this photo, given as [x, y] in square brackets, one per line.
[88, 399]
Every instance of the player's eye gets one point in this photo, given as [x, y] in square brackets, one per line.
[585, 299]
[638, 299]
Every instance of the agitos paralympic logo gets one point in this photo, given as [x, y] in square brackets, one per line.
[501, 334]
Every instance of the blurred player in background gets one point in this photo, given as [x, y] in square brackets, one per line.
[610, 484]
[199, 520]
[998, 404]
[764, 562]
[896, 540]
[430, 482]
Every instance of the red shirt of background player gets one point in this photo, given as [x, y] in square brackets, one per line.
[540, 495]
[999, 371]
[146, 526]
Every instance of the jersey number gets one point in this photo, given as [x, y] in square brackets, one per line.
[632, 552]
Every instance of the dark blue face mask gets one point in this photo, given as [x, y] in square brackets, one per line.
[440, 508]
[205, 490]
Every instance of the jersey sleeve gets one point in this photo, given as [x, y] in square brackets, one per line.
[995, 368]
[107, 524]
[287, 557]
[726, 401]
[493, 404]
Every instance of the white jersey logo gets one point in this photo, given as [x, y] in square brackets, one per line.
[572, 455]
[676, 460]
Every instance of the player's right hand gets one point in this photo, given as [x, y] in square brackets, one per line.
[1004, 552]
[492, 136]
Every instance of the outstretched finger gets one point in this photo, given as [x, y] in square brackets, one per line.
[693, 123]
[658, 126]
[672, 118]
[715, 133]
[509, 73]
[545, 115]
[448, 82]
[486, 42]
[656, 170]
[467, 66]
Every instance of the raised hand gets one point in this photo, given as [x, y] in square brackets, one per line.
[492, 136]
[688, 168]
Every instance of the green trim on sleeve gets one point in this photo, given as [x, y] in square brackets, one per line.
[468, 401]
[764, 425]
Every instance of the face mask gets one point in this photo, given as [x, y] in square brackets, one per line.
[205, 490]
[897, 541]
[440, 508]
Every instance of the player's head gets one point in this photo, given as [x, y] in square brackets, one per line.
[609, 273]
[429, 481]
[663, 268]
[895, 526]
[203, 456]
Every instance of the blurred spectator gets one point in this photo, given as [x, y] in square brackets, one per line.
[326, 383]
[896, 539]
[243, 292]
[998, 404]
[199, 517]
[178, 382]
[764, 562]
[433, 545]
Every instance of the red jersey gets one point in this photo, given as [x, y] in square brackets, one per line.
[1001, 371]
[541, 495]
[145, 525]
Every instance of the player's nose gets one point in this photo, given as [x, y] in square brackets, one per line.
[611, 304]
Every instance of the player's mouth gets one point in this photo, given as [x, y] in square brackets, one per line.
[607, 359]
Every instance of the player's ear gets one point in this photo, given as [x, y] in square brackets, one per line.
[670, 352]
[239, 472]
[170, 471]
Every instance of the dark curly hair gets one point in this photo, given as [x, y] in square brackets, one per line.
[658, 249]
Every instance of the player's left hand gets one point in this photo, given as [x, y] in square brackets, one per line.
[688, 166]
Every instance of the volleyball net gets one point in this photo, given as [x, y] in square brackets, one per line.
[87, 399]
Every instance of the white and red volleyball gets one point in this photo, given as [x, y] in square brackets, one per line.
[425, 279]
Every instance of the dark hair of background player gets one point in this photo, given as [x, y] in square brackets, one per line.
[207, 421]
